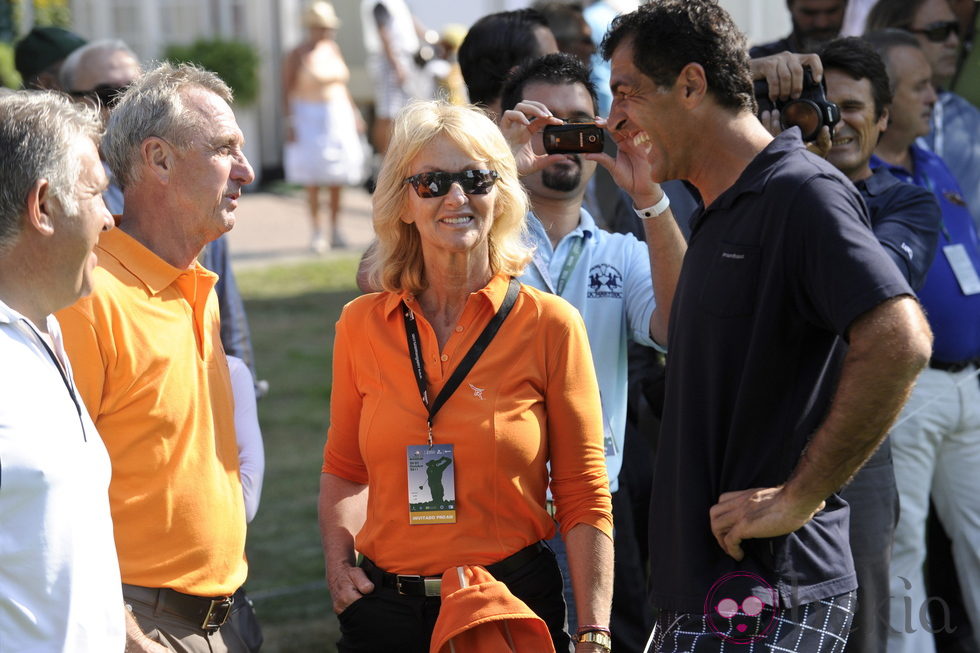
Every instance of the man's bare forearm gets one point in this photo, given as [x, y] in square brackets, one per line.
[889, 346]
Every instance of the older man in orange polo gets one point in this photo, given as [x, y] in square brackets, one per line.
[147, 353]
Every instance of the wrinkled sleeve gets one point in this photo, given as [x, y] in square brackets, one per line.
[842, 269]
[908, 229]
[640, 300]
[89, 361]
[579, 481]
[342, 453]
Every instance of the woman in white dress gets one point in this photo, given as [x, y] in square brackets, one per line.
[323, 146]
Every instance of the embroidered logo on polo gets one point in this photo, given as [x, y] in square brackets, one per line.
[477, 392]
[605, 281]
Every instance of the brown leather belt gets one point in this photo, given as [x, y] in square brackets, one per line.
[207, 613]
[412, 585]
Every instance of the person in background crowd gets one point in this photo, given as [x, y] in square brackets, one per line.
[322, 122]
[391, 37]
[494, 46]
[146, 347]
[622, 288]
[756, 437]
[449, 212]
[905, 218]
[59, 575]
[955, 122]
[936, 442]
[39, 55]
[98, 73]
[815, 23]
[567, 23]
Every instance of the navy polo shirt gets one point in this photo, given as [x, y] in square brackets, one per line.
[777, 268]
[905, 218]
[953, 316]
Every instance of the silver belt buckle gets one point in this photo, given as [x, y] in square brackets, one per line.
[433, 586]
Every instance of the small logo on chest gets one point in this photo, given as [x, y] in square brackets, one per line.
[477, 392]
[605, 281]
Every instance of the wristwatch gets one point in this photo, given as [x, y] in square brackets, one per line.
[596, 637]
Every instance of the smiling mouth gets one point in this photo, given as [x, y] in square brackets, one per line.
[847, 140]
[462, 219]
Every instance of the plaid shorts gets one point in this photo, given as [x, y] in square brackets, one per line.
[818, 627]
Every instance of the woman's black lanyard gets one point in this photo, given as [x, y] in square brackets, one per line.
[465, 365]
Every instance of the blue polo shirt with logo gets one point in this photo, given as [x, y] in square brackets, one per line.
[610, 285]
[953, 315]
[777, 268]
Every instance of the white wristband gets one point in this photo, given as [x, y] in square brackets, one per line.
[655, 210]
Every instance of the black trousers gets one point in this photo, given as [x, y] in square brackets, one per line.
[385, 621]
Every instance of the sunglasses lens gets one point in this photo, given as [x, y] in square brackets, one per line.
[437, 184]
[478, 182]
[432, 184]
[939, 32]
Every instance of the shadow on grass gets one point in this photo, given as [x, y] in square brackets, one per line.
[293, 338]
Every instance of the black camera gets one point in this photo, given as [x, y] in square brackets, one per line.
[811, 111]
[573, 137]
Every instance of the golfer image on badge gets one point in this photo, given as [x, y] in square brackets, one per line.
[431, 484]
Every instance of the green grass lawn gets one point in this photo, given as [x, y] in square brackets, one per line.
[292, 311]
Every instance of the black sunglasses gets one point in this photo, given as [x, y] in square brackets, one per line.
[939, 31]
[104, 94]
[437, 184]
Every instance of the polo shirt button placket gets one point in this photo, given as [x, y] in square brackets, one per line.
[444, 358]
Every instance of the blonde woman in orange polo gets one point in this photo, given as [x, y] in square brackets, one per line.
[426, 469]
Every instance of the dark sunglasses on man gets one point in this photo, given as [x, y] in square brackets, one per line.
[437, 184]
[104, 94]
[938, 31]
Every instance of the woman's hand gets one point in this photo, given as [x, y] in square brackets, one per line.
[347, 584]
[519, 125]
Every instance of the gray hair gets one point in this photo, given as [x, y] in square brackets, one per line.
[69, 69]
[153, 106]
[38, 136]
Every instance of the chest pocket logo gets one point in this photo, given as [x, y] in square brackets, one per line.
[605, 281]
[730, 286]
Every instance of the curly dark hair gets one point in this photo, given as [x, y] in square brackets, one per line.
[556, 68]
[857, 58]
[669, 34]
[493, 46]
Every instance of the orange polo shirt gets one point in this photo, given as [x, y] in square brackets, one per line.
[531, 398]
[148, 361]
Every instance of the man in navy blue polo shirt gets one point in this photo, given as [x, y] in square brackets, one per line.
[905, 218]
[749, 541]
[936, 442]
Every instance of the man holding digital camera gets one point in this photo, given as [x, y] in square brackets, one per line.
[622, 287]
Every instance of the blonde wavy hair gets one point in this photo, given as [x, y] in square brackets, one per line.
[396, 263]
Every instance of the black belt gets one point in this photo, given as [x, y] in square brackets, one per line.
[412, 585]
[953, 367]
[208, 613]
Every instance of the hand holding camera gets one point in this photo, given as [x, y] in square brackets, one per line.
[799, 97]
